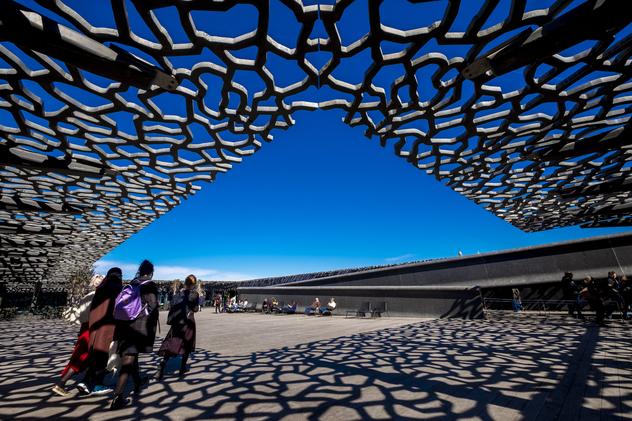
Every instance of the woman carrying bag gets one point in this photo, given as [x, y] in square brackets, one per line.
[136, 314]
[102, 324]
[181, 337]
[79, 358]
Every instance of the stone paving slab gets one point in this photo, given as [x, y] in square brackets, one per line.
[337, 369]
[244, 333]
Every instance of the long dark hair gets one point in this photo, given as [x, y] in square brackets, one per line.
[145, 268]
[114, 273]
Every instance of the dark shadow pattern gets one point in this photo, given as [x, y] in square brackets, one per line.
[88, 160]
[443, 369]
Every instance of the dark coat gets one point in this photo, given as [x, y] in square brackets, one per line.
[182, 327]
[138, 336]
[101, 321]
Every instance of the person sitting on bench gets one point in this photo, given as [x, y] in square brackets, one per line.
[274, 306]
[289, 309]
[312, 309]
[329, 308]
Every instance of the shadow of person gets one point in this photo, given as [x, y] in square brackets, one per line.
[439, 369]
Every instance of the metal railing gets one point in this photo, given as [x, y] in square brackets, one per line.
[545, 306]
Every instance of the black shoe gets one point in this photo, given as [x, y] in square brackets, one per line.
[118, 402]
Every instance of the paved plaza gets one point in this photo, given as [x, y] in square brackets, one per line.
[252, 366]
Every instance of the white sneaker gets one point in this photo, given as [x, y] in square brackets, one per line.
[83, 389]
[102, 390]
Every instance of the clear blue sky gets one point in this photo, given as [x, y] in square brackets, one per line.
[321, 195]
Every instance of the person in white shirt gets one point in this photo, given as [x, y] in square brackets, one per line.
[332, 304]
[329, 308]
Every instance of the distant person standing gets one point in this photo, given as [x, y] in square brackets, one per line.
[181, 337]
[169, 295]
[594, 293]
[626, 295]
[136, 311]
[516, 300]
[217, 302]
[614, 290]
[571, 292]
[201, 295]
[225, 301]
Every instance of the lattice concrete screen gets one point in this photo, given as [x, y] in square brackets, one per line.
[522, 107]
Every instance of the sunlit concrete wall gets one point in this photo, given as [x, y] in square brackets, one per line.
[400, 301]
[450, 287]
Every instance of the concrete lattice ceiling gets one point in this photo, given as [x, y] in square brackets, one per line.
[95, 148]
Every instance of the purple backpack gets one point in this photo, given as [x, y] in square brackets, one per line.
[128, 305]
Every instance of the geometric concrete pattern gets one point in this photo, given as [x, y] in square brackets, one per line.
[520, 106]
[511, 369]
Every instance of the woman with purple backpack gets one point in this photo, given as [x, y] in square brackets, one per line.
[136, 311]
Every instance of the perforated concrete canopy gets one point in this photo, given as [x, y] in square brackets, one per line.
[113, 112]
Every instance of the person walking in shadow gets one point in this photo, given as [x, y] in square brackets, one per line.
[181, 337]
[79, 359]
[136, 311]
[102, 324]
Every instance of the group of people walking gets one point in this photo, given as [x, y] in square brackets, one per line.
[603, 295]
[118, 323]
